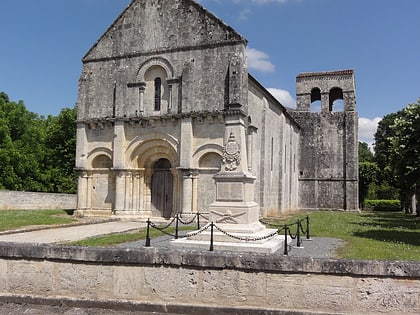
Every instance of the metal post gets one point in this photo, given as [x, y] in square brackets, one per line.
[211, 237]
[285, 240]
[176, 226]
[148, 234]
[198, 220]
[298, 233]
[307, 228]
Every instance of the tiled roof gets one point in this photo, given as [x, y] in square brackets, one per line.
[314, 74]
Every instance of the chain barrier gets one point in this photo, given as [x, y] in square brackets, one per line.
[177, 219]
[286, 228]
[246, 239]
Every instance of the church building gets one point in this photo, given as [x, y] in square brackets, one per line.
[167, 111]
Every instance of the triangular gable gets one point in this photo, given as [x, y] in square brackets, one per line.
[150, 26]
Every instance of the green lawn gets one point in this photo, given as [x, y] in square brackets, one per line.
[14, 219]
[115, 239]
[367, 235]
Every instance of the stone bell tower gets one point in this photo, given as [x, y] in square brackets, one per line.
[326, 111]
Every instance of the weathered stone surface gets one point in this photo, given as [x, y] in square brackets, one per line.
[192, 281]
[21, 200]
[203, 96]
[327, 180]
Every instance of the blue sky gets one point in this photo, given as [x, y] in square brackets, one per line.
[43, 42]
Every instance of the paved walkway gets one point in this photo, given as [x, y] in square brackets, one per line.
[71, 233]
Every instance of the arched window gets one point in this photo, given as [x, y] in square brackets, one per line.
[315, 100]
[336, 100]
[158, 91]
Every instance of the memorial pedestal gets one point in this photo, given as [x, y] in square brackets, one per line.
[235, 214]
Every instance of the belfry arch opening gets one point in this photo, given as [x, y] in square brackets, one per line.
[315, 100]
[336, 100]
[162, 187]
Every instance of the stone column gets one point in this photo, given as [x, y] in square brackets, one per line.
[170, 99]
[173, 85]
[325, 102]
[82, 190]
[119, 191]
[148, 191]
[187, 192]
[128, 204]
[195, 175]
[119, 164]
[142, 88]
[141, 189]
[136, 191]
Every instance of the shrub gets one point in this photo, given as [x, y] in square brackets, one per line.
[382, 205]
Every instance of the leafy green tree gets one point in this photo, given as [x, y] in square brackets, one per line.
[36, 153]
[405, 152]
[368, 171]
[365, 155]
[397, 151]
[61, 145]
[368, 174]
[20, 146]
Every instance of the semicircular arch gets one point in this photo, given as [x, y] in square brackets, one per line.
[98, 152]
[155, 61]
[149, 151]
[134, 147]
[205, 149]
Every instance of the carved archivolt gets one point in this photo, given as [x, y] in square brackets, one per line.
[155, 61]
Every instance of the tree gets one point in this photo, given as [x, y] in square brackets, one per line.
[36, 153]
[397, 151]
[61, 145]
[405, 153]
[365, 155]
[368, 171]
[20, 147]
[368, 174]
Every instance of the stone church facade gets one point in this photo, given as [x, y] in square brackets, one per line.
[166, 104]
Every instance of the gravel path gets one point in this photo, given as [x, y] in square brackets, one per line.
[317, 247]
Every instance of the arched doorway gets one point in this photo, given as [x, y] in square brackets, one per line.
[162, 187]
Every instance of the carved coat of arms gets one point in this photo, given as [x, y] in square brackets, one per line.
[231, 154]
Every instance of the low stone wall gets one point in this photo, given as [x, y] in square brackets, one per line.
[22, 200]
[173, 281]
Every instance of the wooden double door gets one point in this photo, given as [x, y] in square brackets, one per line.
[163, 187]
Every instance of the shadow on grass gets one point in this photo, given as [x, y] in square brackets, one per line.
[402, 237]
[391, 220]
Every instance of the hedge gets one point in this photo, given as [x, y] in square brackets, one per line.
[382, 205]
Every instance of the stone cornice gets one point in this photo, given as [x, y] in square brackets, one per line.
[164, 51]
[108, 121]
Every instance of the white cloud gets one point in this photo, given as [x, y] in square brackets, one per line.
[243, 15]
[283, 96]
[367, 129]
[259, 60]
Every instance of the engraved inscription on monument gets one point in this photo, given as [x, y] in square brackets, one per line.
[229, 191]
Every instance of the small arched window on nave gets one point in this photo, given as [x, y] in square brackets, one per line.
[158, 93]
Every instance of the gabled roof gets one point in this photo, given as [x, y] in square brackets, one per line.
[184, 23]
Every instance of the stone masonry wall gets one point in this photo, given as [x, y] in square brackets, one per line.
[21, 200]
[172, 281]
